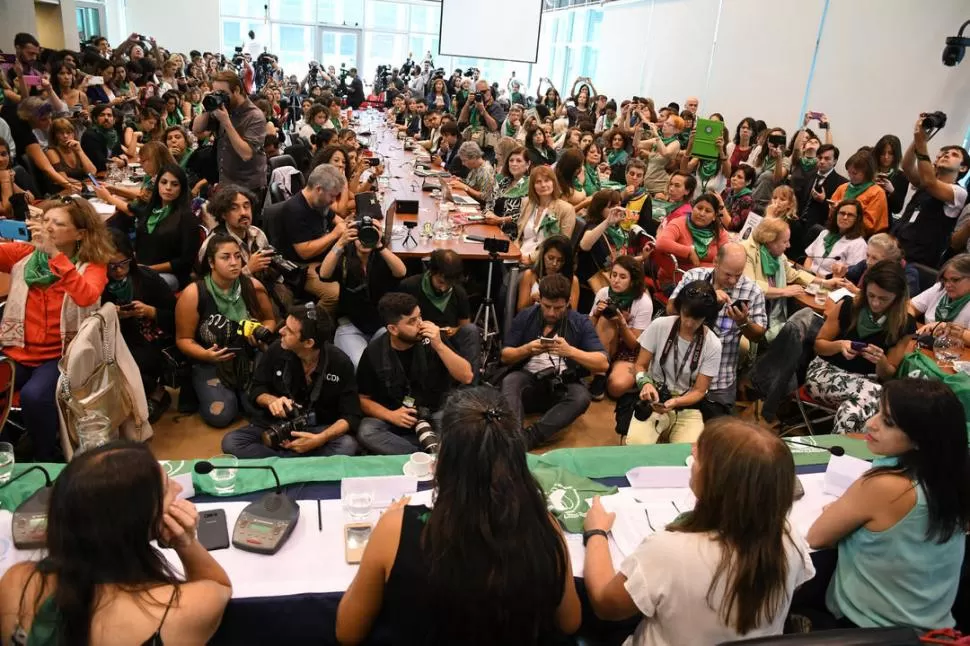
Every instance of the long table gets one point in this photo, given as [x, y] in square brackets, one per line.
[405, 185]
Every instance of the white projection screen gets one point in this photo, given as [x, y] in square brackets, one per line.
[501, 29]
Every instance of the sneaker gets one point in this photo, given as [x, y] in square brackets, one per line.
[597, 388]
[157, 408]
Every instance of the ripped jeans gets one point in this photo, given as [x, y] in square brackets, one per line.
[219, 405]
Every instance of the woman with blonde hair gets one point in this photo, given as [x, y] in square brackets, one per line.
[56, 282]
[65, 152]
[725, 570]
[543, 213]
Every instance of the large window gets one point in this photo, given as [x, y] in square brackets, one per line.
[573, 46]
[349, 13]
[295, 47]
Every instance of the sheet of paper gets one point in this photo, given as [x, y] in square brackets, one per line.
[841, 472]
[839, 294]
[658, 477]
[385, 488]
[806, 511]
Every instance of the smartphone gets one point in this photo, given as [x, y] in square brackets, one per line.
[476, 218]
[94, 180]
[374, 161]
[235, 349]
[858, 346]
[356, 536]
[213, 531]
[814, 115]
[547, 339]
[777, 140]
[740, 303]
[33, 81]
[127, 306]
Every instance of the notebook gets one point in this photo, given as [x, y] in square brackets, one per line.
[706, 133]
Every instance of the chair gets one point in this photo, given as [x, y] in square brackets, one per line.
[7, 379]
[663, 270]
[811, 411]
[272, 215]
[276, 196]
[927, 276]
[843, 637]
[203, 233]
[281, 160]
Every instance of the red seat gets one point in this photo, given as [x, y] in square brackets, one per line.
[8, 398]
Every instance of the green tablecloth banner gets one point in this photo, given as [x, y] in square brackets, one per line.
[595, 462]
[919, 366]
[567, 494]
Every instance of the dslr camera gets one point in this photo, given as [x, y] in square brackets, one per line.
[643, 408]
[479, 97]
[226, 333]
[296, 420]
[367, 232]
[427, 437]
[552, 382]
[933, 120]
[610, 311]
[279, 266]
[215, 100]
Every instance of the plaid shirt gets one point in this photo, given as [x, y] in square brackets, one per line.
[727, 330]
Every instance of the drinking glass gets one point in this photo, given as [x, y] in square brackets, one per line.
[6, 461]
[358, 505]
[224, 474]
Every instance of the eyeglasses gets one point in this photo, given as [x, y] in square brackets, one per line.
[119, 265]
[953, 281]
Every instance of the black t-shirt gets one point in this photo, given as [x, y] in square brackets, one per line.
[456, 310]
[359, 294]
[300, 222]
[429, 393]
[860, 365]
[20, 131]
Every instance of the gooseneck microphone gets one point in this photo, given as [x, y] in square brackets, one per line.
[30, 518]
[834, 450]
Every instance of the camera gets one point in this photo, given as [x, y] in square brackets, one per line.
[496, 245]
[955, 47]
[777, 140]
[552, 382]
[215, 100]
[427, 437]
[281, 267]
[479, 97]
[226, 333]
[367, 233]
[280, 432]
[933, 120]
[609, 311]
[643, 408]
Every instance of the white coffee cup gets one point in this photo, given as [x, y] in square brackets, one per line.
[420, 464]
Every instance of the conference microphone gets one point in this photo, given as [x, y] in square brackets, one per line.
[834, 450]
[265, 525]
[30, 517]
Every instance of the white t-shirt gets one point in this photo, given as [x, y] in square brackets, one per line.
[668, 577]
[653, 339]
[850, 252]
[641, 311]
[927, 301]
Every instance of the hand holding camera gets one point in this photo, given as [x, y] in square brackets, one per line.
[281, 407]
[259, 261]
[404, 417]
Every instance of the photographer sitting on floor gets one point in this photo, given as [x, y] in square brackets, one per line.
[306, 393]
[549, 347]
[403, 378]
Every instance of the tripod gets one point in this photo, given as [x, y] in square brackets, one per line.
[486, 318]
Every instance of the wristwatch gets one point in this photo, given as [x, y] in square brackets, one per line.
[921, 156]
[591, 533]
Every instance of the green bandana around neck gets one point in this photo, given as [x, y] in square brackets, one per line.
[622, 300]
[769, 264]
[947, 310]
[175, 119]
[670, 207]
[768, 165]
[186, 156]
[440, 301]
[617, 236]
[316, 127]
[229, 302]
[828, 242]
[110, 136]
[474, 118]
[518, 189]
[156, 216]
[702, 238]
[615, 157]
[122, 290]
[808, 163]
[852, 191]
[336, 122]
[548, 225]
[592, 183]
[509, 129]
[867, 325]
[668, 140]
[708, 169]
[37, 271]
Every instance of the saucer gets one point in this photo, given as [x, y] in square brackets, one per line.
[424, 478]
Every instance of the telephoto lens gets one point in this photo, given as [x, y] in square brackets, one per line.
[427, 437]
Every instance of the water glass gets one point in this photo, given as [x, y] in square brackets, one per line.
[6, 461]
[821, 296]
[93, 430]
[358, 504]
[224, 474]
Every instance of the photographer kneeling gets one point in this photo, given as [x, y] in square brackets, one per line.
[679, 356]
[403, 377]
[549, 346]
[306, 393]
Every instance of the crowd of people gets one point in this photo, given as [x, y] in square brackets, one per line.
[657, 270]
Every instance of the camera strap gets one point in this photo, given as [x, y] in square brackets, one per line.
[693, 351]
[317, 389]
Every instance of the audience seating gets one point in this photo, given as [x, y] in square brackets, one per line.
[927, 276]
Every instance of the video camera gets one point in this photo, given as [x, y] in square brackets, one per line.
[472, 71]
[226, 333]
[281, 432]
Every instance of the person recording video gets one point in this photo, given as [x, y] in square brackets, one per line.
[305, 392]
[402, 379]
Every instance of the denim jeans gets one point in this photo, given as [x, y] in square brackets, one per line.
[352, 341]
[383, 438]
[560, 411]
[775, 372]
[37, 386]
[219, 405]
[247, 442]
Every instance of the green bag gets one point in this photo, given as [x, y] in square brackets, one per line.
[567, 493]
[918, 365]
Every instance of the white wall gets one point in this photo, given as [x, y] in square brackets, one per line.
[878, 63]
[177, 25]
[15, 16]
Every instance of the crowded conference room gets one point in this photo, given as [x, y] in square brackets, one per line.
[350, 321]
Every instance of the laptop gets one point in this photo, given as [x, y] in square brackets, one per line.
[707, 131]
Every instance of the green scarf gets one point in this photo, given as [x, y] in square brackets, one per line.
[615, 157]
[122, 290]
[156, 217]
[667, 140]
[707, 171]
[592, 183]
[617, 236]
[769, 264]
[196, 109]
[440, 301]
[519, 189]
[670, 207]
[509, 129]
[37, 271]
[733, 197]
[186, 156]
[174, 119]
[768, 165]
[947, 310]
[336, 122]
[548, 225]
[229, 302]
[829, 241]
[702, 238]
[868, 326]
[316, 128]
[110, 136]
[474, 119]
[622, 300]
[808, 163]
[852, 191]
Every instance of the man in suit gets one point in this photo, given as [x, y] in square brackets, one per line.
[447, 153]
[812, 199]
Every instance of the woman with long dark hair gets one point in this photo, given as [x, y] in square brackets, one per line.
[695, 239]
[862, 340]
[554, 256]
[737, 197]
[458, 573]
[840, 245]
[571, 176]
[901, 528]
[537, 145]
[503, 203]
[771, 167]
[101, 580]
[166, 230]
[723, 571]
[888, 154]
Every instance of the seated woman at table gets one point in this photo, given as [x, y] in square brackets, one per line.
[146, 307]
[100, 570]
[56, 281]
[337, 157]
[861, 169]
[883, 246]
[674, 387]
[948, 301]
[725, 570]
[8, 182]
[205, 309]
[841, 244]
[544, 213]
[737, 197]
[504, 202]
[621, 312]
[901, 528]
[554, 256]
[315, 120]
[509, 550]
[864, 337]
[65, 152]
[537, 145]
[616, 152]
[153, 156]
[480, 180]
[695, 239]
[570, 175]
[148, 128]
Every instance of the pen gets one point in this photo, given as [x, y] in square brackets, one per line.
[319, 516]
